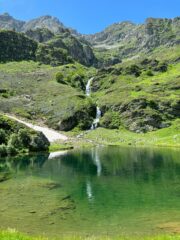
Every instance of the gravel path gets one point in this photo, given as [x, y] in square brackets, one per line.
[51, 134]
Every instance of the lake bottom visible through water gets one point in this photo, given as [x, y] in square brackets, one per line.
[99, 191]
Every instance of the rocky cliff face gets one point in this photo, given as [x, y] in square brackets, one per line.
[48, 22]
[118, 41]
[112, 34]
[128, 39]
[9, 23]
[152, 33]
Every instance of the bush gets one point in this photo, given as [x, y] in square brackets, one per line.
[11, 150]
[111, 120]
[3, 151]
[24, 137]
[149, 73]
[133, 69]
[77, 81]
[14, 141]
[2, 136]
[60, 78]
[162, 67]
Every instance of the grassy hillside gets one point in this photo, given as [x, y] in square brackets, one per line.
[32, 91]
[144, 92]
[137, 96]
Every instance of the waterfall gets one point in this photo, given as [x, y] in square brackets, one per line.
[88, 87]
[97, 119]
[98, 111]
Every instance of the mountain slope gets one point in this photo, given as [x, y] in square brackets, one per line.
[136, 85]
[154, 32]
[123, 40]
[59, 47]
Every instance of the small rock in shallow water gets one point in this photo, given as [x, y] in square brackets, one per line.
[52, 185]
[32, 211]
[67, 197]
[51, 223]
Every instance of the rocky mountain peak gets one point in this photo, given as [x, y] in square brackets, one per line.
[48, 22]
[6, 14]
[10, 23]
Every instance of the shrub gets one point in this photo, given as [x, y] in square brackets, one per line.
[2, 136]
[162, 67]
[24, 137]
[14, 141]
[5, 95]
[77, 81]
[111, 120]
[11, 150]
[3, 151]
[149, 73]
[60, 78]
[133, 69]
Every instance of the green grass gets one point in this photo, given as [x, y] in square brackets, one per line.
[164, 137]
[59, 146]
[13, 235]
[36, 93]
[123, 89]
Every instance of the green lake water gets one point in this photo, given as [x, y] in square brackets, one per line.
[99, 191]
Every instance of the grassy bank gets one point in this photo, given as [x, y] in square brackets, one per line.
[13, 235]
[167, 137]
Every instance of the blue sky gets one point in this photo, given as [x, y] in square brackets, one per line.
[90, 16]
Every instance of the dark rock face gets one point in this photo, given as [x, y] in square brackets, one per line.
[81, 119]
[39, 143]
[62, 48]
[79, 51]
[67, 124]
[142, 115]
[40, 34]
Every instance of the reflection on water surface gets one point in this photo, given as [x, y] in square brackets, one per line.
[106, 190]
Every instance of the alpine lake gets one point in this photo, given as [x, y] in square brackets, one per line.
[103, 191]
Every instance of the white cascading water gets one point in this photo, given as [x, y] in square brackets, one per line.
[97, 119]
[98, 111]
[88, 87]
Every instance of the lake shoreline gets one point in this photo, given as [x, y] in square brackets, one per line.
[14, 235]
